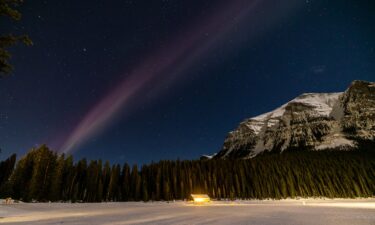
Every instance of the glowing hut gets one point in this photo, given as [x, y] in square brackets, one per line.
[200, 198]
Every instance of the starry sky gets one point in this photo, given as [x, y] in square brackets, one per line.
[140, 81]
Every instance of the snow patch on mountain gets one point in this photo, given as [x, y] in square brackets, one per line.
[337, 142]
[323, 104]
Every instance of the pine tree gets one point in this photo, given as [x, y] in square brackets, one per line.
[6, 168]
[135, 184]
[106, 176]
[8, 9]
[20, 179]
[113, 187]
[125, 182]
[55, 192]
[44, 163]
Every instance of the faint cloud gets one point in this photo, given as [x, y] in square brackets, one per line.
[318, 69]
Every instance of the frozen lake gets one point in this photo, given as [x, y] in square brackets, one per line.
[291, 212]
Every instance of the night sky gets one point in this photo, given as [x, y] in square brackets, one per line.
[141, 80]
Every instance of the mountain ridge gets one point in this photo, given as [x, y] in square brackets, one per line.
[314, 121]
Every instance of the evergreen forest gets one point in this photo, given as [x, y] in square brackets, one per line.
[43, 175]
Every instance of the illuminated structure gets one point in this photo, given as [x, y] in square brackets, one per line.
[200, 198]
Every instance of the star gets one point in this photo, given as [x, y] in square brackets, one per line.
[3, 116]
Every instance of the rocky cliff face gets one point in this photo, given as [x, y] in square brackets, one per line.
[313, 121]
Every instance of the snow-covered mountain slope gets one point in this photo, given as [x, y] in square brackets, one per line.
[314, 121]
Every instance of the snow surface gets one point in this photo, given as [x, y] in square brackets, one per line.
[335, 143]
[291, 212]
[209, 156]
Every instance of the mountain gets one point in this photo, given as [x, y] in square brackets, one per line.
[312, 121]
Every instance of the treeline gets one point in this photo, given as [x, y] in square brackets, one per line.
[43, 175]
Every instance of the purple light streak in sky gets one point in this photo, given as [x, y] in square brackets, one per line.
[157, 68]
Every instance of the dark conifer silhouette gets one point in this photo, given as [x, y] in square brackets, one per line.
[42, 175]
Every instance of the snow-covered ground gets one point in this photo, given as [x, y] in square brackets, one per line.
[291, 212]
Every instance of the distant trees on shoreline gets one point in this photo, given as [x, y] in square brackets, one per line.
[43, 175]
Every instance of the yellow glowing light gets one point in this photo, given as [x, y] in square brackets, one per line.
[200, 198]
